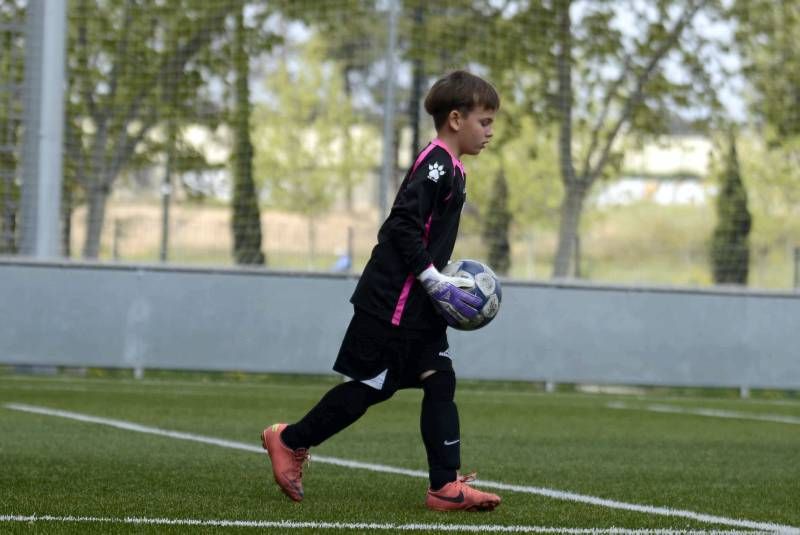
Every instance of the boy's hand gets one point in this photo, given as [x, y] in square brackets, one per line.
[455, 304]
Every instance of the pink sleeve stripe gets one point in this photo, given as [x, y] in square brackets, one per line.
[422, 156]
[426, 236]
[401, 301]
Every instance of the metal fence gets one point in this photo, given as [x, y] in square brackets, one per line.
[636, 141]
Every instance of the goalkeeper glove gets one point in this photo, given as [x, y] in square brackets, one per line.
[456, 305]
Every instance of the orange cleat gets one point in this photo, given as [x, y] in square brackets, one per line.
[459, 496]
[287, 464]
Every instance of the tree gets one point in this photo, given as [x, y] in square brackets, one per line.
[767, 33]
[120, 74]
[637, 97]
[354, 33]
[520, 151]
[303, 162]
[497, 226]
[246, 220]
[766, 37]
[730, 250]
[772, 174]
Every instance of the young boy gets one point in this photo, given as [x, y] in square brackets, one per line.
[402, 305]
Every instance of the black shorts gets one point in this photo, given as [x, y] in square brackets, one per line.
[372, 346]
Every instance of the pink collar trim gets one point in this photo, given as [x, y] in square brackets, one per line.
[456, 162]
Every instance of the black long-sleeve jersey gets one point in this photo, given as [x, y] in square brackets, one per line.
[421, 230]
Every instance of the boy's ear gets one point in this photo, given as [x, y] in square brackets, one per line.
[454, 119]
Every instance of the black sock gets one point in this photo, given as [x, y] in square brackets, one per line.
[440, 428]
[339, 407]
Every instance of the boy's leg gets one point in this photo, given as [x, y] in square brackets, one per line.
[341, 406]
[440, 432]
[439, 425]
[287, 445]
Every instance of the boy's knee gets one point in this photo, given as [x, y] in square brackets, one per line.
[440, 386]
[354, 397]
[370, 396]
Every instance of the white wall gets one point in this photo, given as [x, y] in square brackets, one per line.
[253, 320]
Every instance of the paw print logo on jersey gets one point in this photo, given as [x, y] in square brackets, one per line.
[435, 170]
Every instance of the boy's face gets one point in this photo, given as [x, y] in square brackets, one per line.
[473, 130]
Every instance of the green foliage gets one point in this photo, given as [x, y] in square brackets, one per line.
[612, 81]
[309, 148]
[302, 157]
[771, 174]
[125, 59]
[767, 33]
[730, 249]
[496, 226]
[134, 67]
[523, 149]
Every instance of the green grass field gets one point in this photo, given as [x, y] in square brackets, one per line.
[561, 461]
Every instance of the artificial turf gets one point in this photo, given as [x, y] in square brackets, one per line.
[734, 468]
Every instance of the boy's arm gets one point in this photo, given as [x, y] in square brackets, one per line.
[410, 216]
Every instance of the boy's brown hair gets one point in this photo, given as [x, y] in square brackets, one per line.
[462, 91]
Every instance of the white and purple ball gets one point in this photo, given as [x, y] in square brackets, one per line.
[487, 288]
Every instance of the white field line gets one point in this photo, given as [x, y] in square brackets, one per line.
[714, 413]
[550, 493]
[290, 524]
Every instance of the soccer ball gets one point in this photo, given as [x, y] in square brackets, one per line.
[487, 287]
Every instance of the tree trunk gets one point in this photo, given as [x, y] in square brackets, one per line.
[246, 214]
[347, 174]
[171, 98]
[9, 194]
[396, 177]
[66, 220]
[576, 186]
[8, 207]
[312, 242]
[418, 80]
[571, 212]
[96, 212]
[574, 189]
[497, 224]
[97, 193]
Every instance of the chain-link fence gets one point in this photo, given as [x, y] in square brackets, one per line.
[645, 142]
